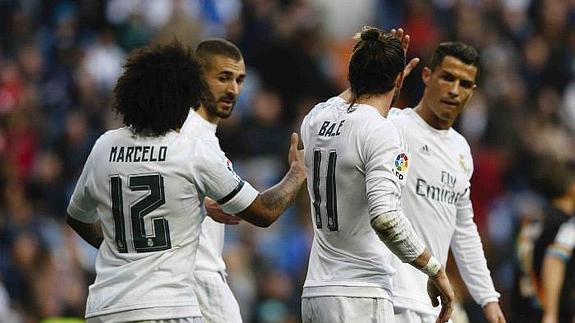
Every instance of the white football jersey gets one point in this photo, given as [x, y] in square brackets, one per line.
[211, 246]
[147, 192]
[356, 163]
[436, 201]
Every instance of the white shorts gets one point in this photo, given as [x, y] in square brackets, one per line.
[403, 315]
[109, 318]
[335, 309]
[217, 302]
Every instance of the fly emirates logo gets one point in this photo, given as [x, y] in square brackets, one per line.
[444, 193]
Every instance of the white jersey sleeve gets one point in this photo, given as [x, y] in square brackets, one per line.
[217, 180]
[82, 206]
[566, 235]
[564, 242]
[468, 254]
[386, 166]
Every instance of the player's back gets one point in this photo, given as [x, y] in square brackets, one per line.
[350, 158]
[147, 195]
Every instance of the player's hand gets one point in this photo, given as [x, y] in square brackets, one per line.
[493, 313]
[439, 286]
[404, 39]
[295, 156]
[215, 212]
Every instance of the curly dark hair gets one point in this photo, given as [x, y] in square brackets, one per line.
[376, 61]
[159, 85]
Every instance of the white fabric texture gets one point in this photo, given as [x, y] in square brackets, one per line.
[328, 309]
[217, 303]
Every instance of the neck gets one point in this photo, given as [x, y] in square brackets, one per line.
[424, 111]
[564, 204]
[382, 102]
[206, 115]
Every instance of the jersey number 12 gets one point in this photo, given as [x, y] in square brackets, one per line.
[330, 190]
[160, 238]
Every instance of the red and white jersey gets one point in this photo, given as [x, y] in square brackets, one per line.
[436, 201]
[148, 193]
[356, 163]
[209, 256]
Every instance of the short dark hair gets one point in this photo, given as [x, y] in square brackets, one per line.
[159, 85]
[376, 61]
[463, 52]
[217, 46]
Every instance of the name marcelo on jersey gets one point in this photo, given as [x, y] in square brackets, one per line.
[137, 154]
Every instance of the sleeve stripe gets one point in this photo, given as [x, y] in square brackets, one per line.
[230, 196]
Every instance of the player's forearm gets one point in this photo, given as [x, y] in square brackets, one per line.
[468, 254]
[553, 273]
[271, 203]
[279, 197]
[91, 232]
[396, 232]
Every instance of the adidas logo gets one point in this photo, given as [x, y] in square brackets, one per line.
[424, 150]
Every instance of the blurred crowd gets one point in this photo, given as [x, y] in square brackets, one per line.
[59, 61]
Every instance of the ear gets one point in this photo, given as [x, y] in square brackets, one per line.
[426, 75]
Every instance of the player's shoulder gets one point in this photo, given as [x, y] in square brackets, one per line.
[459, 141]
[398, 113]
[381, 128]
[200, 149]
[328, 106]
[111, 136]
[402, 118]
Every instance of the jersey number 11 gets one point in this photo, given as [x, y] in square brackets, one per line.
[330, 190]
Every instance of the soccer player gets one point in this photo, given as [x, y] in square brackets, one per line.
[139, 196]
[545, 278]
[558, 273]
[356, 164]
[436, 194]
[224, 73]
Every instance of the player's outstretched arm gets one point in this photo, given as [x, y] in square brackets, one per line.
[271, 203]
[91, 232]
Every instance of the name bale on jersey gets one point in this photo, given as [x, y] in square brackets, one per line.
[137, 154]
[328, 128]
